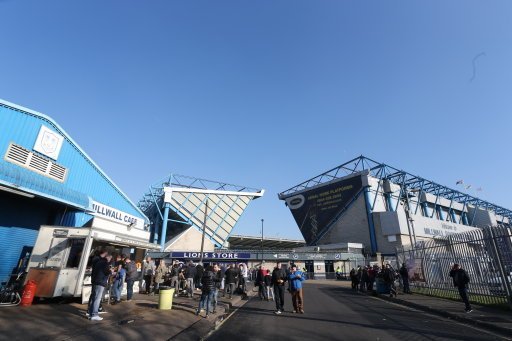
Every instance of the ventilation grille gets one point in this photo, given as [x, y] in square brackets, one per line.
[35, 162]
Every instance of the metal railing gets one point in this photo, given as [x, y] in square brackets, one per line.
[485, 254]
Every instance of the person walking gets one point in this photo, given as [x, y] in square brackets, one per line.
[148, 269]
[119, 279]
[338, 273]
[242, 277]
[296, 277]
[372, 273]
[218, 281]
[99, 278]
[359, 277]
[278, 281]
[404, 274]
[207, 291]
[461, 281]
[160, 272]
[190, 275]
[231, 277]
[199, 275]
[175, 278]
[131, 276]
[260, 282]
[353, 278]
[268, 285]
[364, 279]
[389, 277]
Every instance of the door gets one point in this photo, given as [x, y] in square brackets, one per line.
[310, 268]
[329, 270]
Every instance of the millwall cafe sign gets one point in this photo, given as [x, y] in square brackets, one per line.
[112, 214]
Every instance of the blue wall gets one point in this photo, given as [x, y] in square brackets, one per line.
[12, 240]
[21, 217]
[22, 128]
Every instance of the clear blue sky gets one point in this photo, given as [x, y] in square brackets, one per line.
[269, 93]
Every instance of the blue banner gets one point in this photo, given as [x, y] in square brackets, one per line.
[211, 255]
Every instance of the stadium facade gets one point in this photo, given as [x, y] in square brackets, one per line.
[382, 207]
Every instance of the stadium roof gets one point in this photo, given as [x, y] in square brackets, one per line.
[407, 182]
[237, 242]
[195, 201]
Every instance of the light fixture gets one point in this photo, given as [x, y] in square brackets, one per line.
[10, 190]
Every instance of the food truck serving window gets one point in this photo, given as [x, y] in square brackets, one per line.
[76, 247]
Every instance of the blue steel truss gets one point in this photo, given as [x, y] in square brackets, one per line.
[408, 182]
[174, 180]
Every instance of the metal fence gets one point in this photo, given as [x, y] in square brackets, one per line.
[485, 254]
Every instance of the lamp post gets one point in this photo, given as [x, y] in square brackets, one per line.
[262, 220]
[204, 232]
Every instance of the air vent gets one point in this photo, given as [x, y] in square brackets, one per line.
[35, 162]
[39, 163]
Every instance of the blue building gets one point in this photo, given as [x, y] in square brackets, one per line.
[47, 179]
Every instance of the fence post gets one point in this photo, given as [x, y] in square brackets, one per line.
[504, 276]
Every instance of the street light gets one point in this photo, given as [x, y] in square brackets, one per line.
[262, 220]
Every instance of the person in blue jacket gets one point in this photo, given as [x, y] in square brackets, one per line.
[295, 278]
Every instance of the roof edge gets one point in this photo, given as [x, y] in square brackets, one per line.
[79, 149]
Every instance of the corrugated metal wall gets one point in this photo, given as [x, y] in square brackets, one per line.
[12, 240]
[21, 217]
[22, 128]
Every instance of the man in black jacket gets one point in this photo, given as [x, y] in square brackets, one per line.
[404, 273]
[389, 276]
[231, 277]
[131, 276]
[175, 278]
[278, 281]
[199, 275]
[207, 290]
[218, 281]
[190, 274]
[460, 281]
[99, 279]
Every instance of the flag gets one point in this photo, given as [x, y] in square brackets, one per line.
[460, 182]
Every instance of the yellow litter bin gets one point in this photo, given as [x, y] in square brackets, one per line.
[165, 298]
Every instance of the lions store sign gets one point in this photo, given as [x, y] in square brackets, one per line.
[211, 255]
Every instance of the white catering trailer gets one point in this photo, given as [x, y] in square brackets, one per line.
[60, 263]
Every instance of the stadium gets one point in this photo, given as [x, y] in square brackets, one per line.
[382, 207]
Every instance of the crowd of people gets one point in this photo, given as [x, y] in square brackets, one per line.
[271, 286]
[365, 278]
[110, 272]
